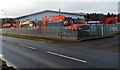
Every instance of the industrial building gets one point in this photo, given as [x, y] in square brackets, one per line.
[40, 15]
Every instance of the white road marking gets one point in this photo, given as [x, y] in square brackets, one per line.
[27, 46]
[79, 60]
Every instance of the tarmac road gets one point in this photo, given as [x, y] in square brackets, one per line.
[24, 53]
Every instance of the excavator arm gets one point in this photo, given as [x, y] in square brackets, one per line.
[54, 17]
[25, 22]
[111, 19]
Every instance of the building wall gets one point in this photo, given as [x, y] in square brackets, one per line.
[40, 16]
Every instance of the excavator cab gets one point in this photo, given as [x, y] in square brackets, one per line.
[75, 20]
[70, 21]
[67, 21]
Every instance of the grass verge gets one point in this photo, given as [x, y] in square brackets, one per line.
[117, 33]
[24, 37]
[49, 39]
[37, 38]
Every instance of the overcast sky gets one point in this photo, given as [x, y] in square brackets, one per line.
[16, 8]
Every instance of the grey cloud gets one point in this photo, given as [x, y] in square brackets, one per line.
[103, 7]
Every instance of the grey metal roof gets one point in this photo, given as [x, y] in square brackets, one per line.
[77, 14]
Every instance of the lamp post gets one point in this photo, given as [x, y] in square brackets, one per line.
[5, 13]
[59, 11]
[4, 16]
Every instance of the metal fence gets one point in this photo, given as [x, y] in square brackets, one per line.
[98, 31]
[83, 32]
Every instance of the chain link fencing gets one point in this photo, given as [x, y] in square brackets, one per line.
[83, 32]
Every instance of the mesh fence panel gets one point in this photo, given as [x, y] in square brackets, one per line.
[82, 32]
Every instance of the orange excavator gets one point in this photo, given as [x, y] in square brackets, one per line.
[68, 22]
[7, 25]
[23, 23]
[54, 17]
[31, 24]
[114, 19]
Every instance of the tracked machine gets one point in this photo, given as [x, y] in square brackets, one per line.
[66, 22]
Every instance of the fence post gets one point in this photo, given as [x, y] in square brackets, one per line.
[102, 30]
[77, 33]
